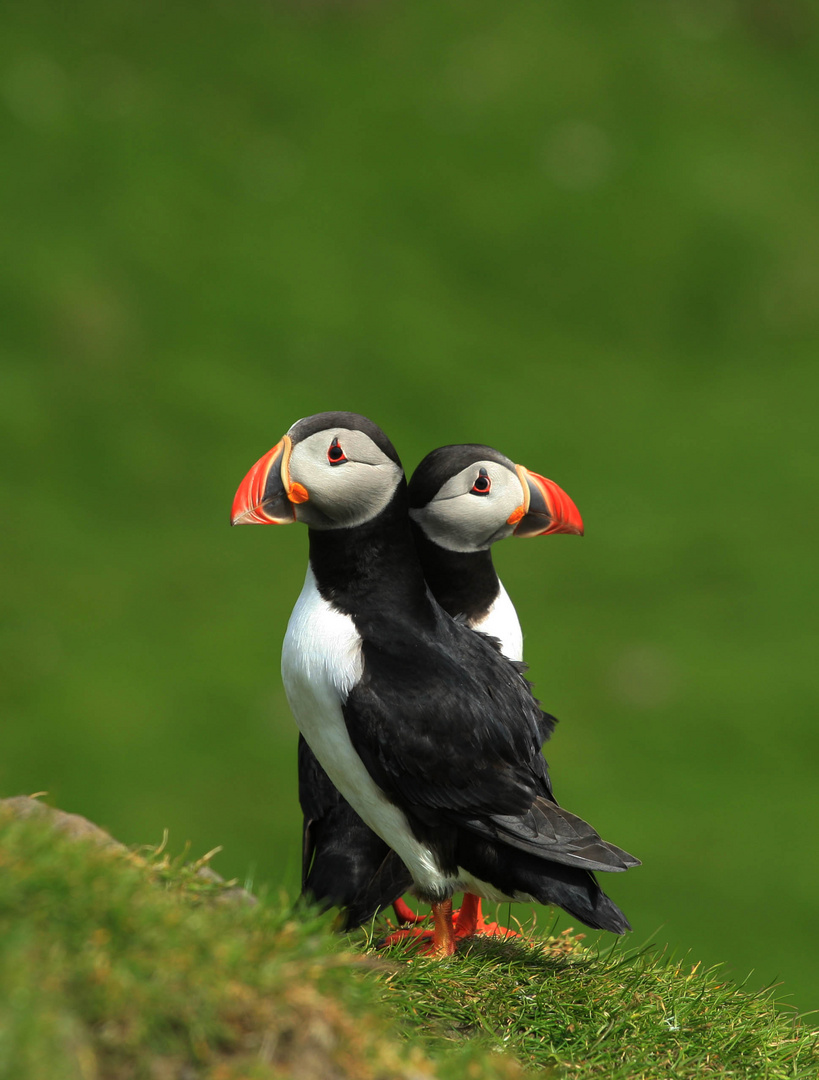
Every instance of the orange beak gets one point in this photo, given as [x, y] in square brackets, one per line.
[546, 508]
[266, 496]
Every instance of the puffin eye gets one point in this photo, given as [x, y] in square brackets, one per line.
[335, 455]
[482, 485]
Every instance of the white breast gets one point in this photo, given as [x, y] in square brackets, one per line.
[321, 663]
[501, 621]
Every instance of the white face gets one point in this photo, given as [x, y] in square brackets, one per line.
[471, 510]
[348, 479]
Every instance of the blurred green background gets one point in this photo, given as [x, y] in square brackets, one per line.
[584, 233]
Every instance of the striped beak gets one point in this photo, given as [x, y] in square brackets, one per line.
[266, 496]
[546, 508]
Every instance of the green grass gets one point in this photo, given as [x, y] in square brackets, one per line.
[123, 965]
[130, 967]
[626, 1014]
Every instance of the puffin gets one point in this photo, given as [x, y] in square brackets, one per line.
[423, 726]
[463, 498]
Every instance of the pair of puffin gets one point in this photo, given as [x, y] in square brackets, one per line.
[420, 759]
[462, 500]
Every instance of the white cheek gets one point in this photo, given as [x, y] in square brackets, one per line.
[346, 495]
[467, 522]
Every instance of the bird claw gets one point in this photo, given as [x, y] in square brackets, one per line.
[484, 929]
[469, 921]
[420, 942]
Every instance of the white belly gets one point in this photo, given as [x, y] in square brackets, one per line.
[321, 662]
[501, 622]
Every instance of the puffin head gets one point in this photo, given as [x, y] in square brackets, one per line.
[333, 470]
[466, 497]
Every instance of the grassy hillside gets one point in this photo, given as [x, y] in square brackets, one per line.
[585, 233]
[118, 964]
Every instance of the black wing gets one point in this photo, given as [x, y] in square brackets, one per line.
[443, 722]
[449, 729]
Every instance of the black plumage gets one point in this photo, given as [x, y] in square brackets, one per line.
[449, 729]
[464, 583]
[429, 731]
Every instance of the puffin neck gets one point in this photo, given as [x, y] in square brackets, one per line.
[463, 582]
[371, 571]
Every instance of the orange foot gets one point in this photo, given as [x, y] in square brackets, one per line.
[405, 914]
[439, 942]
[469, 921]
[419, 942]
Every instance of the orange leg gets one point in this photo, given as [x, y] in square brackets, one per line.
[443, 943]
[469, 921]
[438, 942]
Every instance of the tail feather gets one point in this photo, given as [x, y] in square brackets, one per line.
[519, 874]
[548, 831]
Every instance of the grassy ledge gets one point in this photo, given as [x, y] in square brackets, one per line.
[563, 1010]
[120, 964]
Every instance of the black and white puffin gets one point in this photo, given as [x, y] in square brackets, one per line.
[431, 735]
[462, 499]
